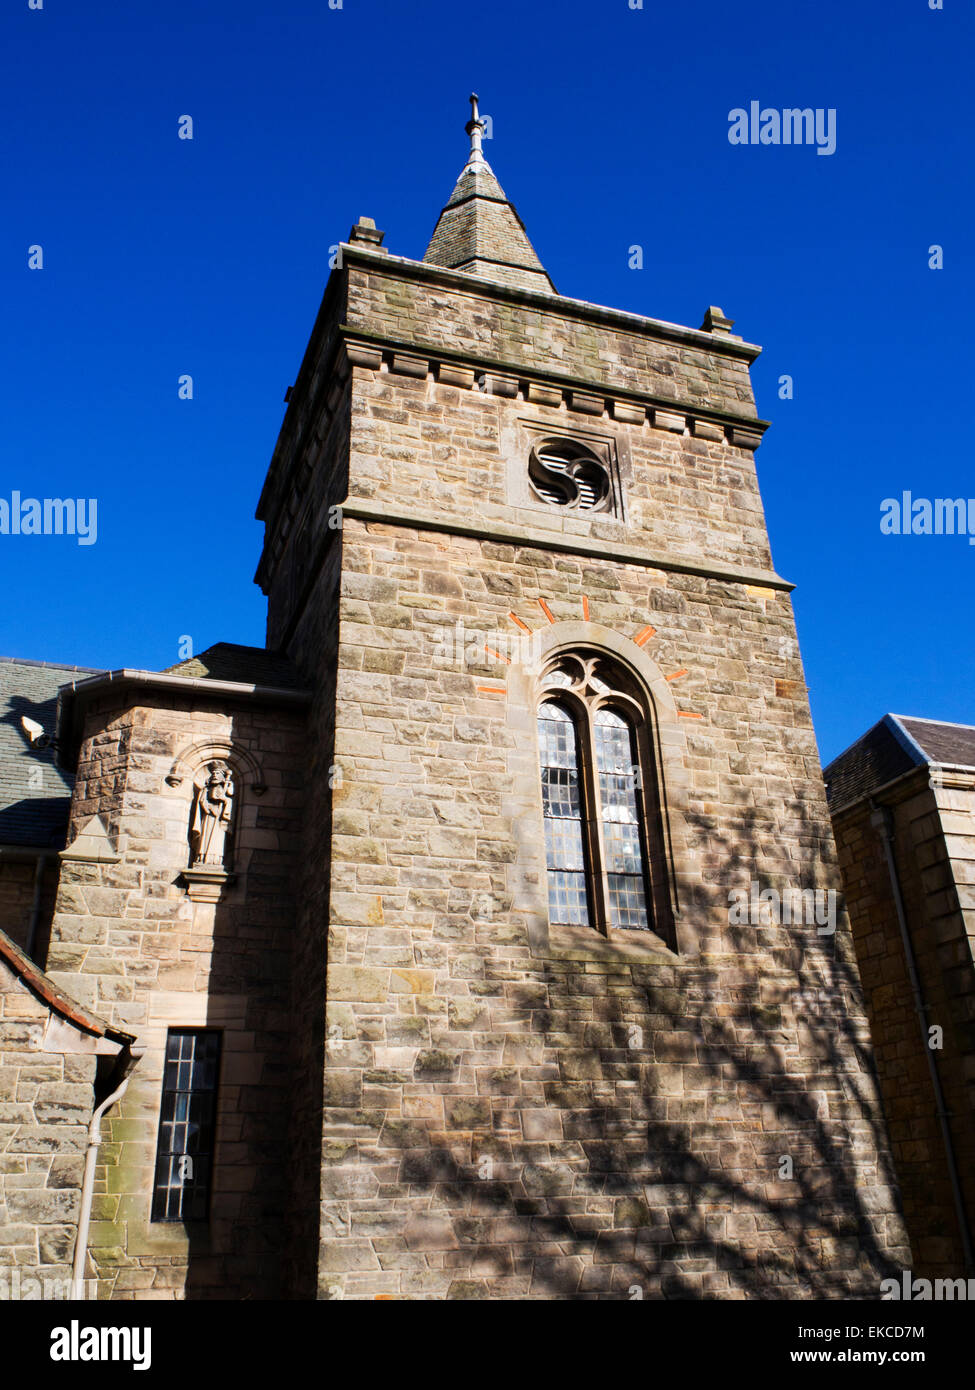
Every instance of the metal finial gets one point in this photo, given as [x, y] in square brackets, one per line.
[475, 129]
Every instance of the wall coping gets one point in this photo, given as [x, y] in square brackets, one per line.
[383, 262]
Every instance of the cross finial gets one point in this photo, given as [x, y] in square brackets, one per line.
[475, 129]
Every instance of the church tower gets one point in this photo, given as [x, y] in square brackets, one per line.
[568, 957]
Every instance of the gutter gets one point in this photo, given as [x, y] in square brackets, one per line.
[883, 822]
[164, 681]
[933, 770]
[875, 792]
[76, 693]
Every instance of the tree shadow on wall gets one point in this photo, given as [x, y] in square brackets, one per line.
[704, 1129]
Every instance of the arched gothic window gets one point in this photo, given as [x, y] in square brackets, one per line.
[604, 843]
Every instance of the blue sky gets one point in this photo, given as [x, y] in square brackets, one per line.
[164, 257]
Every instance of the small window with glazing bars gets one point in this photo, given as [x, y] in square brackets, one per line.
[184, 1156]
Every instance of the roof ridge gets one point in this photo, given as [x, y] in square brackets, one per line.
[50, 665]
[924, 719]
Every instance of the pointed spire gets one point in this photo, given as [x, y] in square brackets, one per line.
[479, 231]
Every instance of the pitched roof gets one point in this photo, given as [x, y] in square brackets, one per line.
[895, 745]
[479, 231]
[228, 661]
[35, 793]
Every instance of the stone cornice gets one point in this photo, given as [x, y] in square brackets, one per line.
[952, 777]
[371, 511]
[499, 372]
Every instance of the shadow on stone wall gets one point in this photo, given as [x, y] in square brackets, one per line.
[665, 1179]
[241, 1253]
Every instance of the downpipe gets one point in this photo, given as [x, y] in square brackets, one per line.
[88, 1190]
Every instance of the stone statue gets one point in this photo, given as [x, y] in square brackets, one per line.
[212, 818]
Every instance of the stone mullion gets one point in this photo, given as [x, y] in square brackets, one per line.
[594, 826]
[655, 867]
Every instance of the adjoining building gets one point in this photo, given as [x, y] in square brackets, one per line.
[902, 800]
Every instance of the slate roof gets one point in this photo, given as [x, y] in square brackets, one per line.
[479, 231]
[35, 793]
[892, 747]
[943, 743]
[227, 661]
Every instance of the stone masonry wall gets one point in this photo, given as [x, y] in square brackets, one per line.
[459, 455]
[46, 1101]
[129, 941]
[300, 572]
[502, 1122]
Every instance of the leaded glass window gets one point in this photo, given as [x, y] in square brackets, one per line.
[617, 769]
[603, 828]
[565, 856]
[184, 1156]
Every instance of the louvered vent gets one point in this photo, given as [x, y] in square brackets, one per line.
[565, 473]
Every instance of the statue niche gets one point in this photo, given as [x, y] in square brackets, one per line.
[212, 817]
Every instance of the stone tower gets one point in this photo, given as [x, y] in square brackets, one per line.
[559, 747]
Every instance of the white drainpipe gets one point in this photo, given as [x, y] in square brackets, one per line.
[88, 1192]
